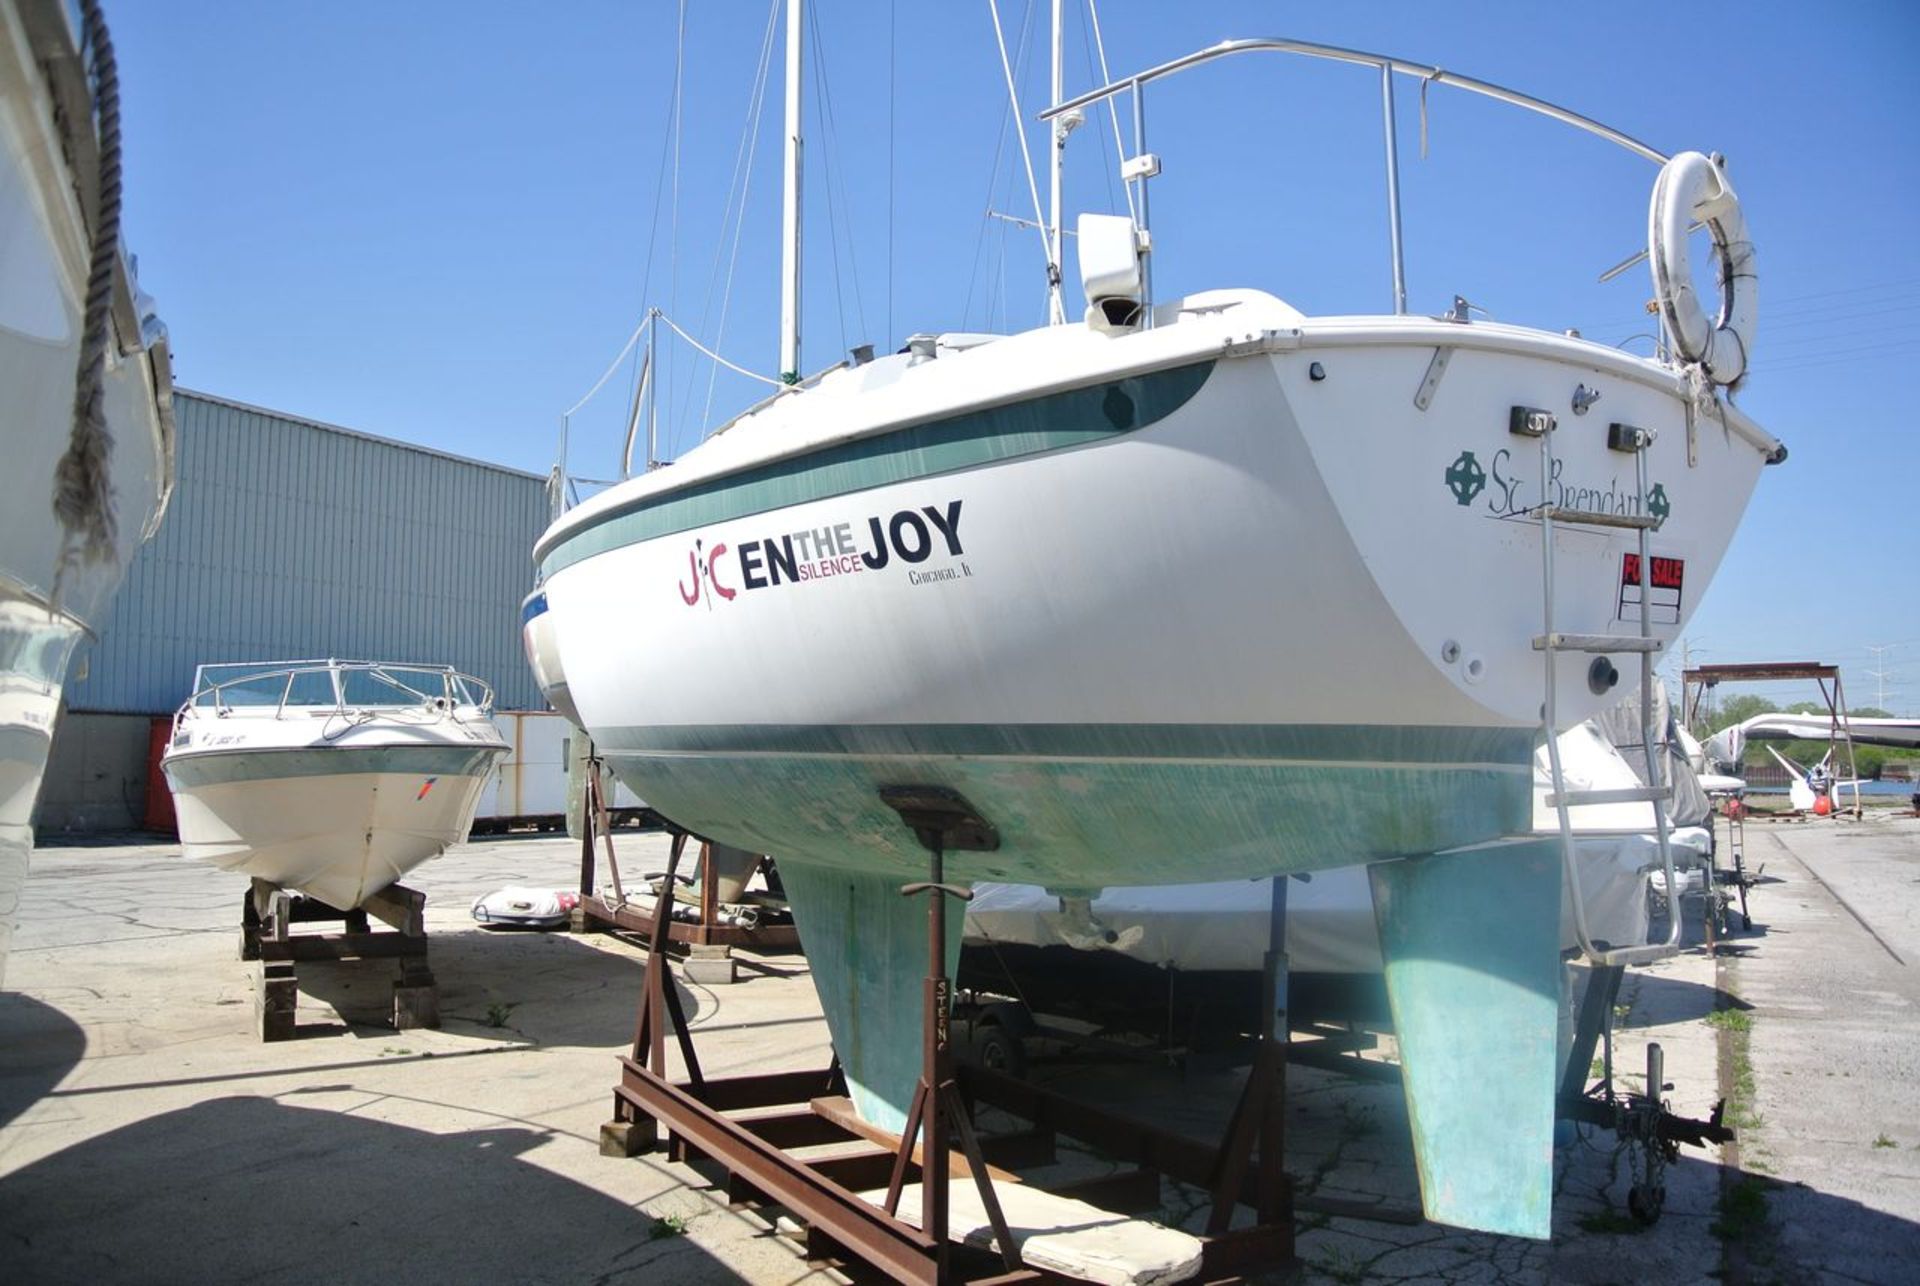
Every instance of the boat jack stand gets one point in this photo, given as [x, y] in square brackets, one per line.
[267, 916]
[660, 1002]
[941, 819]
[1260, 1115]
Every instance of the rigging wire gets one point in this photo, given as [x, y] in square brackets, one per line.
[1113, 107]
[646, 282]
[751, 130]
[820, 120]
[986, 222]
[986, 229]
[893, 66]
[613, 366]
[1093, 74]
[735, 367]
[1614, 324]
[1020, 123]
[837, 179]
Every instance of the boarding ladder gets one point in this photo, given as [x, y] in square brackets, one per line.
[1628, 439]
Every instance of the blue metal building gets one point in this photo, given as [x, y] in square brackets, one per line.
[289, 539]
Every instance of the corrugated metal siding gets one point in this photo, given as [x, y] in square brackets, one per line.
[290, 539]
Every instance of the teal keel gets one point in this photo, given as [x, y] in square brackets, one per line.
[1471, 943]
[866, 946]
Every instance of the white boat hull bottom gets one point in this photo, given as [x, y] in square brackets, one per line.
[37, 644]
[339, 837]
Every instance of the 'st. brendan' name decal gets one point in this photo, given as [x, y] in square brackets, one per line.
[906, 538]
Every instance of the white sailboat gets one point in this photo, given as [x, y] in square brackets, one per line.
[1196, 587]
[86, 418]
[329, 778]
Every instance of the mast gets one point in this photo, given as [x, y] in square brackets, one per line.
[790, 210]
[1057, 137]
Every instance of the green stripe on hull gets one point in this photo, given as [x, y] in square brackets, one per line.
[1313, 742]
[1051, 423]
[1103, 817]
[219, 767]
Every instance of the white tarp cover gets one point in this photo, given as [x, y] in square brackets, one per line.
[1330, 926]
[1329, 918]
[1620, 726]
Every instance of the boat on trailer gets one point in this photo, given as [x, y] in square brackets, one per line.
[329, 778]
[1198, 587]
[86, 391]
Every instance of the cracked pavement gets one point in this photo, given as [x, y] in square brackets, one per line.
[146, 1133]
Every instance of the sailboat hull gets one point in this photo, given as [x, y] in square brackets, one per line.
[1256, 594]
[1212, 620]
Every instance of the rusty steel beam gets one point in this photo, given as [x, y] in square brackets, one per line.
[889, 1245]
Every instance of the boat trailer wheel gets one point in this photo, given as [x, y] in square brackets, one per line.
[1644, 1203]
[1648, 1148]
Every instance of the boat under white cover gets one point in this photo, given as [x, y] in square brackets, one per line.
[1330, 920]
[111, 467]
[329, 778]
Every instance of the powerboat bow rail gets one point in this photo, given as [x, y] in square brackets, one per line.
[329, 778]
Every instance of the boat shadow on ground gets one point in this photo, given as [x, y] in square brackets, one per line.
[1348, 1139]
[39, 1045]
[244, 1187]
[535, 988]
[1660, 1001]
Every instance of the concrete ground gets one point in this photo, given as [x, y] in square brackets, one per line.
[146, 1134]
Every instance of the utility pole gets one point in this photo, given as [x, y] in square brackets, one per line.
[1700, 718]
[1880, 672]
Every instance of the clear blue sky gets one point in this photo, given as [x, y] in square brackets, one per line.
[435, 221]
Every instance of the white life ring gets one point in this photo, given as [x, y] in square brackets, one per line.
[1694, 188]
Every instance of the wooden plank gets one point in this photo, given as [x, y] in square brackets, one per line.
[839, 1109]
[1129, 1192]
[341, 946]
[1061, 1235]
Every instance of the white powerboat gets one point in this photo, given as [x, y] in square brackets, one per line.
[1195, 587]
[329, 778]
[86, 395]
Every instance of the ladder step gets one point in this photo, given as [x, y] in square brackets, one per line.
[1647, 954]
[1595, 643]
[1598, 518]
[1623, 795]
